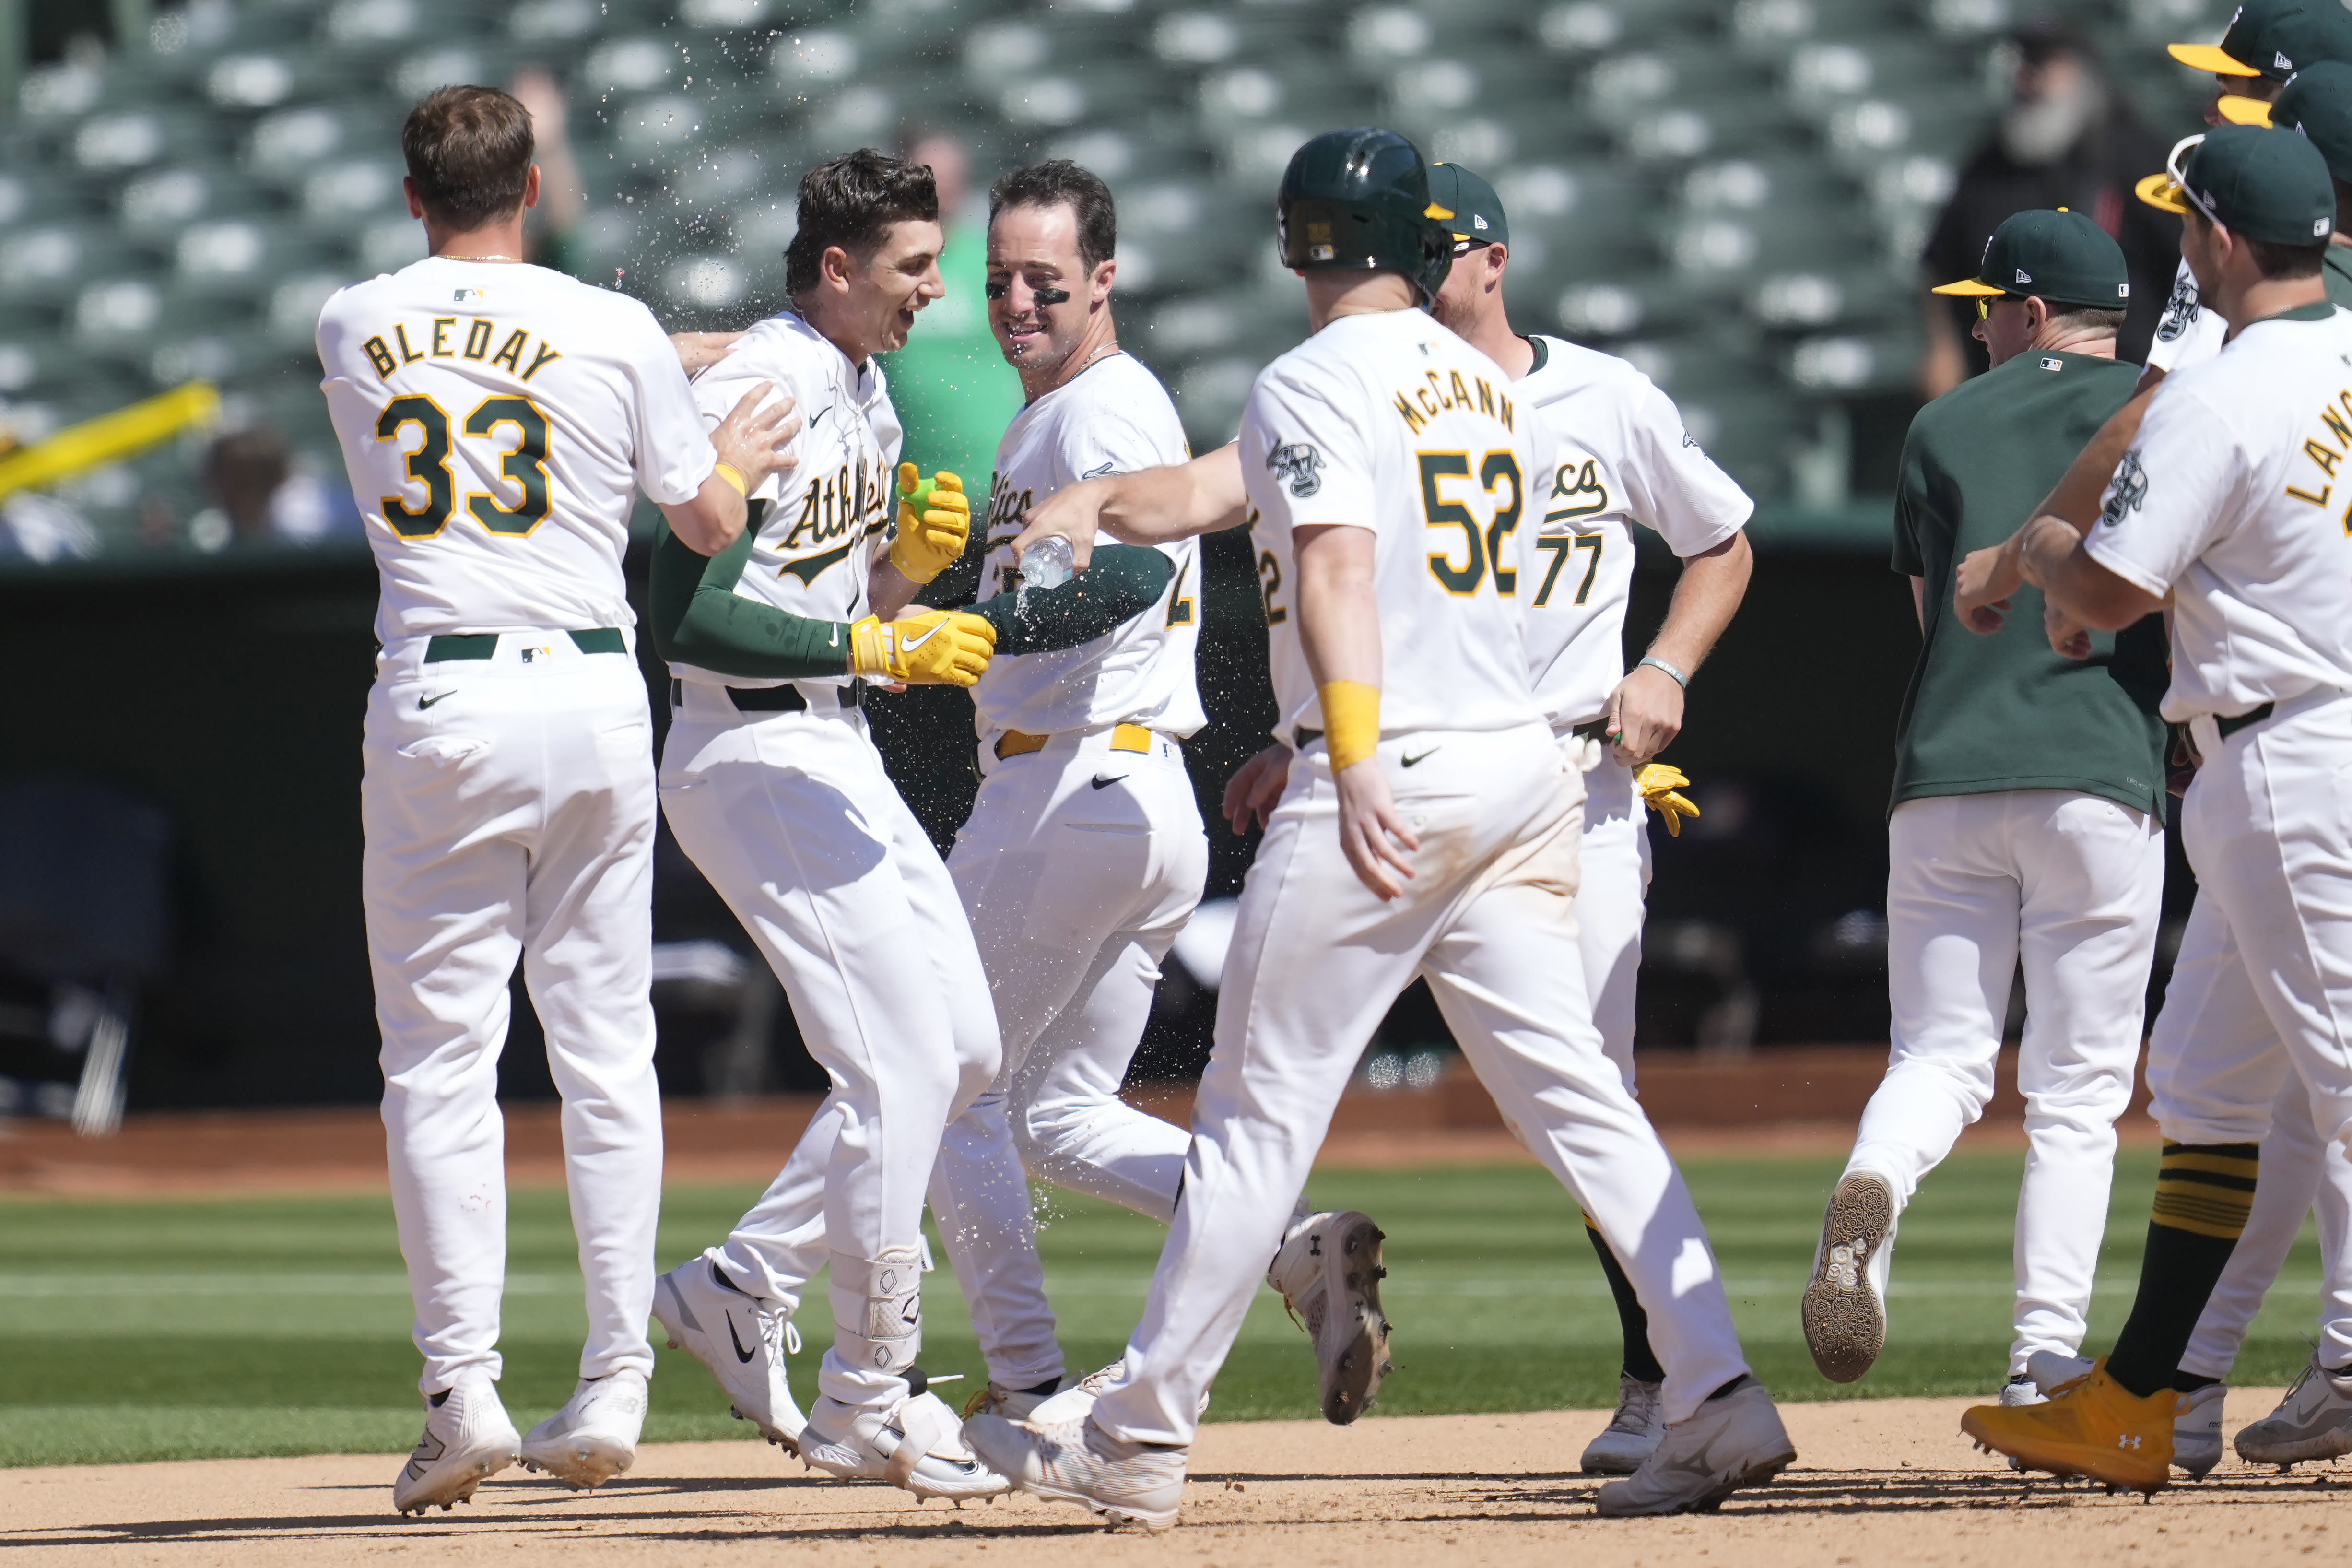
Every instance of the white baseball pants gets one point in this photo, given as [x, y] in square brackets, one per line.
[1078, 867]
[1317, 960]
[2268, 827]
[509, 809]
[792, 818]
[2072, 885]
[2300, 1171]
[1612, 899]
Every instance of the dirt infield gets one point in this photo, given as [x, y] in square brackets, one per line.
[1890, 1482]
[1782, 1101]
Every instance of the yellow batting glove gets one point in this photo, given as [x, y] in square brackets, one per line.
[934, 521]
[936, 647]
[1660, 785]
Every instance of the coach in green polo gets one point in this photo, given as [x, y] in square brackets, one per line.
[2026, 823]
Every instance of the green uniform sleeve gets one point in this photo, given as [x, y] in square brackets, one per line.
[699, 619]
[1124, 581]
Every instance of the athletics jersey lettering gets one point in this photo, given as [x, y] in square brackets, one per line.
[1419, 404]
[2327, 450]
[440, 339]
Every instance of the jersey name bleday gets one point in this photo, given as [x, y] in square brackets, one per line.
[495, 420]
[1614, 453]
[1114, 418]
[1389, 422]
[824, 519]
[2233, 499]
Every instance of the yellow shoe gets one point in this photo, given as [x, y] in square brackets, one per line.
[2092, 1427]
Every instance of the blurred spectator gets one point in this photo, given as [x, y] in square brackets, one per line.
[266, 498]
[2064, 139]
[563, 199]
[952, 389]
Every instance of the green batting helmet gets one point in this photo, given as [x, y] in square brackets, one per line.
[1359, 200]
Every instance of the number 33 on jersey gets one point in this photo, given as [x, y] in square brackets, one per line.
[494, 419]
[1389, 422]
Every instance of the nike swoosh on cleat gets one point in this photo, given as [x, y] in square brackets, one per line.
[1410, 761]
[740, 1354]
[1102, 782]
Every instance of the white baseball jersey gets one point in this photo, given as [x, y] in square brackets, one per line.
[1614, 454]
[1390, 422]
[1114, 418]
[495, 419]
[2231, 499]
[2188, 332]
[829, 513]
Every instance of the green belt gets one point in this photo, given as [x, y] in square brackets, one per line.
[785, 698]
[2237, 721]
[449, 646]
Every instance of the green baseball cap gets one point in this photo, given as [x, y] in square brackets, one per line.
[2274, 38]
[2061, 256]
[2266, 184]
[1474, 213]
[2317, 102]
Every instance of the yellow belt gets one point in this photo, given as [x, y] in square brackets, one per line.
[1020, 742]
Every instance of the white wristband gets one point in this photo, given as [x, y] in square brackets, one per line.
[1678, 678]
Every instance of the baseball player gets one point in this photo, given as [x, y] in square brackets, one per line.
[2027, 823]
[2301, 1169]
[1620, 458]
[773, 787]
[496, 419]
[2222, 504]
[1430, 828]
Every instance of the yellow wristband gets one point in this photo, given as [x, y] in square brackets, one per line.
[733, 476]
[1351, 722]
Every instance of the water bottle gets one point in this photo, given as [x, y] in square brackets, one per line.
[1047, 563]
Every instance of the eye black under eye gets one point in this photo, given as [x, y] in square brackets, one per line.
[998, 290]
[1053, 296]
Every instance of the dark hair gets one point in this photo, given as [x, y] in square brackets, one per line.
[1058, 181]
[2275, 259]
[2085, 318]
[468, 150]
[851, 203]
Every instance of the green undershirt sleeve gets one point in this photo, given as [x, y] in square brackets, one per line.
[699, 619]
[1123, 581]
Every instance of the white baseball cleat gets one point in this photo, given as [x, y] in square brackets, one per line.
[743, 1338]
[1012, 1404]
[1844, 1308]
[1330, 1273]
[1633, 1434]
[1131, 1485]
[1076, 1402]
[916, 1445]
[467, 1439]
[2197, 1431]
[594, 1436]
[2021, 1390]
[2313, 1421]
[1734, 1440]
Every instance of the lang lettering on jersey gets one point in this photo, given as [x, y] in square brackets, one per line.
[439, 338]
[2337, 417]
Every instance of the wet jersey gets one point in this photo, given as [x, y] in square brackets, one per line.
[497, 420]
[1114, 418]
[824, 519]
[1614, 454]
[1389, 422]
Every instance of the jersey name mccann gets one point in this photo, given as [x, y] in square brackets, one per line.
[820, 521]
[1389, 422]
[494, 468]
[1114, 418]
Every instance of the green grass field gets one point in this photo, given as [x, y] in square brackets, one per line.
[143, 1331]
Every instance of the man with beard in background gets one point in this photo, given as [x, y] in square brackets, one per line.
[2063, 139]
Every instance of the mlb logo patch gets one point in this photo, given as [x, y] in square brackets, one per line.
[2052, 364]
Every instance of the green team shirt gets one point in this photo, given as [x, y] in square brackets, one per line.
[950, 386]
[2335, 266]
[2003, 713]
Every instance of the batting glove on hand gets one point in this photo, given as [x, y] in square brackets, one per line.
[934, 521]
[937, 647]
[1659, 784]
